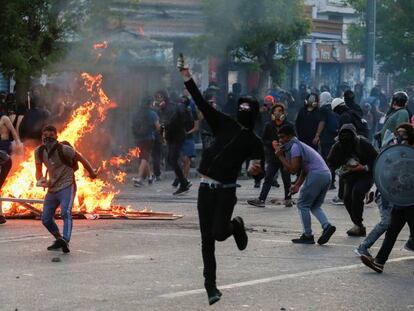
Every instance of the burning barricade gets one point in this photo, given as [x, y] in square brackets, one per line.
[94, 197]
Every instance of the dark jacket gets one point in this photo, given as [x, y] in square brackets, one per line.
[348, 116]
[362, 150]
[307, 124]
[270, 133]
[232, 146]
[172, 121]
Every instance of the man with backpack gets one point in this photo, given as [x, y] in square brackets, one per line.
[145, 127]
[60, 160]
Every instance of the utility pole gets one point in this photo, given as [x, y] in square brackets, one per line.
[370, 55]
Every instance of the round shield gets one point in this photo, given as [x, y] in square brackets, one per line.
[394, 174]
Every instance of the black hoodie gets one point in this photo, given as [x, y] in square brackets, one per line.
[232, 145]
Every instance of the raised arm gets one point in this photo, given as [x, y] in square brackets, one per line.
[211, 115]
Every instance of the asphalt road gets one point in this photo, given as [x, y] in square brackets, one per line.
[156, 265]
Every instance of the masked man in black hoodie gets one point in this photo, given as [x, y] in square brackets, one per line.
[355, 156]
[234, 143]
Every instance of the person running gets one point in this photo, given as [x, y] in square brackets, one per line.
[145, 126]
[273, 164]
[404, 134]
[315, 180]
[191, 127]
[60, 160]
[220, 164]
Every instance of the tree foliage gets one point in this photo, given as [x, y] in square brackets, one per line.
[249, 30]
[394, 39]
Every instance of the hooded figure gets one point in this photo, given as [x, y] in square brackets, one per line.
[247, 111]
[325, 99]
[349, 98]
[220, 164]
[355, 155]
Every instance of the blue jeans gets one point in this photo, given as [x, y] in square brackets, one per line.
[64, 198]
[311, 198]
[380, 228]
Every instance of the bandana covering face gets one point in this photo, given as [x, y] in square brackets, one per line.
[248, 109]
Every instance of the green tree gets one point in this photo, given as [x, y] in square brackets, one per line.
[249, 30]
[36, 33]
[394, 37]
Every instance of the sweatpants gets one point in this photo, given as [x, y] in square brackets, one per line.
[355, 189]
[215, 210]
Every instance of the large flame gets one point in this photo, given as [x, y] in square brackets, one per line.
[92, 195]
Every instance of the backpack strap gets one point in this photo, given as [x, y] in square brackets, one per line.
[62, 157]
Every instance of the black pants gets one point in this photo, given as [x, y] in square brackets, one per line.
[215, 209]
[355, 189]
[174, 151]
[399, 217]
[156, 157]
[4, 171]
[271, 169]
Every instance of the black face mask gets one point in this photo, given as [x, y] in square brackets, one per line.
[247, 113]
[347, 140]
[49, 142]
[246, 118]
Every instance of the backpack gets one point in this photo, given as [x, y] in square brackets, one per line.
[142, 126]
[59, 148]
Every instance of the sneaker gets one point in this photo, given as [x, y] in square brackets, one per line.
[175, 183]
[65, 246]
[239, 233]
[288, 203]
[257, 184]
[371, 263]
[275, 184]
[409, 245]
[357, 231]
[369, 198]
[138, 183]
[151, 180]
[337, 201]
[183, 189]
[57, 245]
[304, 239]
[326, 234]
[362, 250]
[214, 295]
[256, 203]
[2, 220]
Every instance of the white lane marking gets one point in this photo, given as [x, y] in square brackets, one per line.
[277, 278]
[153, 233]
[290, 242]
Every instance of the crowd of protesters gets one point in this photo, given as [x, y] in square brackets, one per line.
[336, 137]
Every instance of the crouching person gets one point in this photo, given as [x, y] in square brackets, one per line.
[60, 160]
